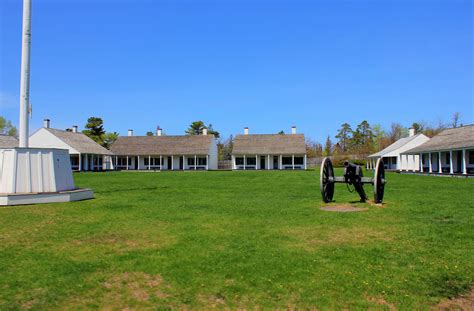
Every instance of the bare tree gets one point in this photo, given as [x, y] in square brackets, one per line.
[455, 120]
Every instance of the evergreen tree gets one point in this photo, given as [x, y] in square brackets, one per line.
[95, 130]
[197, 127]
[344, 136]
[327, 147]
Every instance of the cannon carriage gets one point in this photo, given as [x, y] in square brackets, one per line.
[353, 177]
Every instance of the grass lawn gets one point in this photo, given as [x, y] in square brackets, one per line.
[207, 240]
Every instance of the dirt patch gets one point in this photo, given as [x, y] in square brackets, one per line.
[310, 238]
[343, 209]
[133, 286]
[382, 302]
[464, 302]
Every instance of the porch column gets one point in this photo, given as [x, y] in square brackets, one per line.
[293, 161]
[138, 163]
[232, 159]
[161, 162]
[430, 162]
[245, 162]
[184, 164]
[80, 162]
[305, 158]
[421, 162]
[451, 169]
[195, 159]
[207, 162]
[268, 166]
[172, 162]
[149, 162]
[464, 162]
[127, 164]
[280, 162]
[440, 163]
[256, 162]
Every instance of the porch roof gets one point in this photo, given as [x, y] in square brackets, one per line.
[163, 145]
[7, 141]
[272, 144]
[79, 142]
[390, 151]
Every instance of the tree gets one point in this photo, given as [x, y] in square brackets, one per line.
[327, 147]
[197, 127]
[109, 139]
[7, 128]
[95, 130]
[224, 148]
[455, 119]
[344, 136]
[313, 149]
[396, 132]
[149, 133]
[281, 132]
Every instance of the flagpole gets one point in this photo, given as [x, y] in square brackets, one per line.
[25, 74]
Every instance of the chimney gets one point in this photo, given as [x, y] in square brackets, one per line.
[246, 130]
[46, 123]
[204, 132]
[293, 129]
[74, 128]
[130, 132]
[412, 132]
[159, 132]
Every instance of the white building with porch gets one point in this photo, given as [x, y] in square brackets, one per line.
[85, 154]
[450, 152]
[269, 151]
[163, 152]
[392, 157]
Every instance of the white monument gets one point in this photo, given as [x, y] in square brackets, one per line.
[34, 175]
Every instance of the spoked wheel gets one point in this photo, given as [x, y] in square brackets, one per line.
[327, 180]
[379, 181]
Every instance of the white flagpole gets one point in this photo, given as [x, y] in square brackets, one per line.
[25, 74]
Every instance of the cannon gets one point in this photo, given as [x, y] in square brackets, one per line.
[353, 177]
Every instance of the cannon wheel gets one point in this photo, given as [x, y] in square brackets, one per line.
[327, 180]
[379, 181]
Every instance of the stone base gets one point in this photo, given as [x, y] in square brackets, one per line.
[49, 197]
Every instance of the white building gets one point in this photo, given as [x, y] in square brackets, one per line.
[163, 152]
[391, 155]
[449, 152]
[269, 151]
[85, 154]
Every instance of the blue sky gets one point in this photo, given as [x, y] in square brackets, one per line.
[263, 64]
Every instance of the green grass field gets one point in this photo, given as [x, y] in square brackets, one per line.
[204, 240]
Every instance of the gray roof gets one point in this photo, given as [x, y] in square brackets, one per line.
[163, 145]
[79, 141]
[453, 138]
[7, 141]
[396, 145]
[269, 144]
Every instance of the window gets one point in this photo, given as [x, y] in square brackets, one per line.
[287, 161]
[151, 162]
[239, 161]
[191, 161]
[122, 161]
[74, 161]
[471, 157]
[448, 158]
[202, 161]
[299, 160]
[251, 161]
